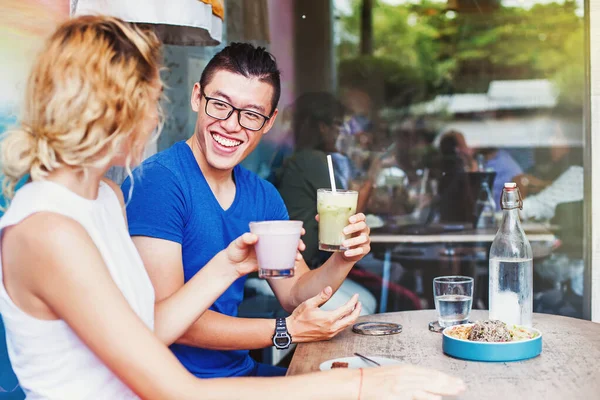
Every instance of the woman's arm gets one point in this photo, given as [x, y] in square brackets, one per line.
[180, 314]
[401, 382]
[78, 288]
[176, 312]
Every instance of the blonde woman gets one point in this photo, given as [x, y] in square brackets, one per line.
[76, 301]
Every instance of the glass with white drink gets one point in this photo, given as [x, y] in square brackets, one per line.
[276, 247]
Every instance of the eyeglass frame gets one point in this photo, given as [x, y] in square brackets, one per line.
[233, 109]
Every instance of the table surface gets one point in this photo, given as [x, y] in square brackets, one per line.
[568, 368]
[472, 236]
[536, 232]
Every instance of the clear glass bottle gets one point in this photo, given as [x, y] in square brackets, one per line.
[511, 265]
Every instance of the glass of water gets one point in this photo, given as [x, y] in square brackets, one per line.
[453, 296]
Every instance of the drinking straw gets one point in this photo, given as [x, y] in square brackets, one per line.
[331, 177]
[422, 190]
[424, 182]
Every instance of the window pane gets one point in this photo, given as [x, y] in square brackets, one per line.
[415, 93]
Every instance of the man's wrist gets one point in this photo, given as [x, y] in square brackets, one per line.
[282, 339]
[340, 260]
[291, 328]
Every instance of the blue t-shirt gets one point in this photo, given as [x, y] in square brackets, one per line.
[171, 200]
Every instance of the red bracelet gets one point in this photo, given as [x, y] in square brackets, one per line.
[360, 384]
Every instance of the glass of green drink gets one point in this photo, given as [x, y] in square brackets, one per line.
[335, 210]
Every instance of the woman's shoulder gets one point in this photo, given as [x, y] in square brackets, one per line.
[116, 189]
[44, 227]
[49, 233]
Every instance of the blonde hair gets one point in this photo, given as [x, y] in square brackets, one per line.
[87, 93]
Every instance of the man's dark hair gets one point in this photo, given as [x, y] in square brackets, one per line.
[246, 60]
[310, 109]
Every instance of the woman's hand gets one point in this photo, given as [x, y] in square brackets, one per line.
[406, 382]
[241, 254]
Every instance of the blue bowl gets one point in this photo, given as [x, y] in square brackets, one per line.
[492, 351]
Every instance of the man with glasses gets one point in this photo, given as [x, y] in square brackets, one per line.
[222, 110]
[190, 201]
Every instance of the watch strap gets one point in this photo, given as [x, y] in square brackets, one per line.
[281, 332]
[280, 325]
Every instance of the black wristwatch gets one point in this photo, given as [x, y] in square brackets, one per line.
[282, 338]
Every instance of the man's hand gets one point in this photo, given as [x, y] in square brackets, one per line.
[308, 323]
[359, 244]
[529, 184]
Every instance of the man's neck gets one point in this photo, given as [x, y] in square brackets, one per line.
[218, 180]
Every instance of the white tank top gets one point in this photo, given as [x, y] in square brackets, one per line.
[49, 359]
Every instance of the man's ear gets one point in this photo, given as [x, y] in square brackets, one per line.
[196, 98]
[270, 122]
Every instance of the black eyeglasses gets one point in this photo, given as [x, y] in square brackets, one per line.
[222, 110]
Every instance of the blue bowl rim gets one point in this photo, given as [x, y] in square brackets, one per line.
[538, 337]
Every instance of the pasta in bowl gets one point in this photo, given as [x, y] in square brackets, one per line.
[491, 341]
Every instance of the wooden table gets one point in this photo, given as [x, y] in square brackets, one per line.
[568, 368]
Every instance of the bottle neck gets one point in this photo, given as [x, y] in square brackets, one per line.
[511, 199]
[510, 221]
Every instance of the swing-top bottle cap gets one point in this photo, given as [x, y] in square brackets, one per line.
[511, 198]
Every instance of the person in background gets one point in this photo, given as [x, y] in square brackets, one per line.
[551, 161]
[506, 169]
[567, 188]
[561, 203]
[456, 155]
[284, 143]
[93, 103]
[317, 129]
[318, 120]
[356, 143]
[530, 184]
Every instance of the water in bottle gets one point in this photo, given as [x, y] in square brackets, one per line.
[511, 265]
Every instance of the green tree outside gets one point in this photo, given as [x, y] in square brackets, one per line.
[422, 49]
